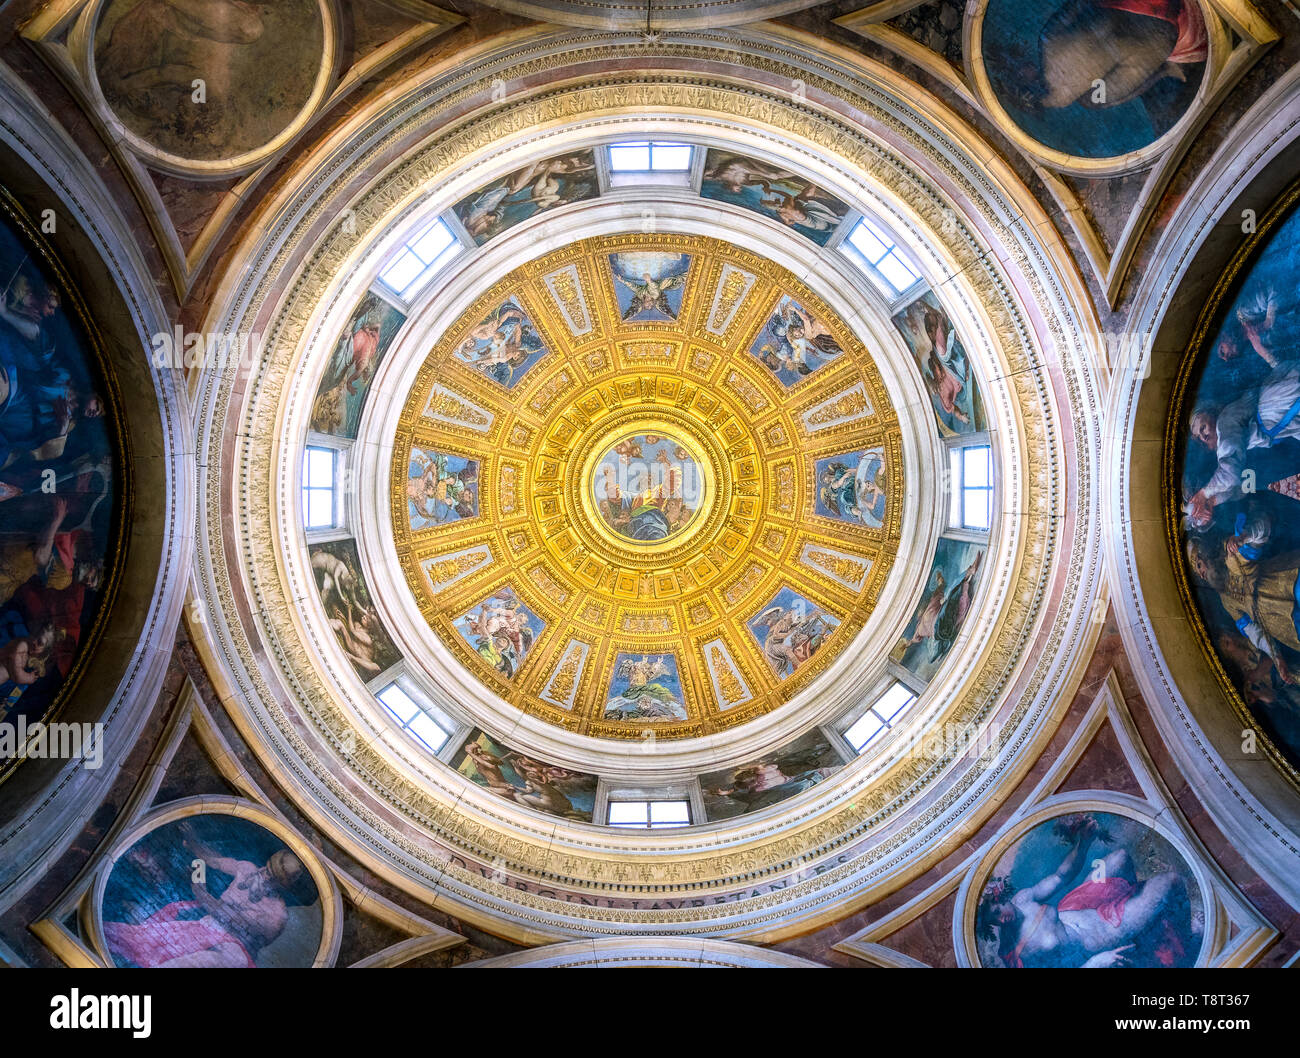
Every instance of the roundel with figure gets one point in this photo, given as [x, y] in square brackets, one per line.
[1090, 889]
[1093, 81]
[647, 487]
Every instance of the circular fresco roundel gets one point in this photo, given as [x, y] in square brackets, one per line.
[1237, 505]
[1092, 81]
[648, 486]
[209, 80]
[647, 480]
[211, 889]
[1089, 889]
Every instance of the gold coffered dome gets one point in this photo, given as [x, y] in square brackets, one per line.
[647, 483]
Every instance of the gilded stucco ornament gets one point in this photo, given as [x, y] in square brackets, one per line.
[646, 491]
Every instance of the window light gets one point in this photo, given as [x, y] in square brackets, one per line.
[412, 718]
[881, 253]
[879, 718]
[970, 501]
[649, 157]
[419, 258]
[318, 473]
[649, 815]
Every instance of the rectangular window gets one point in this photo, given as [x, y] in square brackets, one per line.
[881, 253]
[649, 815]
[629, 158]
[319, 510]
[879, 718]
[417, 261]
[649, 157]
[864, 239]
[970, 502]
[410, 717]
[863, 730]
[430, 246]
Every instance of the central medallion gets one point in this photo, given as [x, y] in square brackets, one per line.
[648, 486]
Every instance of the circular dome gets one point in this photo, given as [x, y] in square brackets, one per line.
[871, 790]
[647, 480]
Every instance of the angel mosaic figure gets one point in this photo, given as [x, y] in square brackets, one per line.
[854, 492]
[501, 633]
[795, 342]
[650, 294]
[646, 694]
[437, 492]
[792, 638]
[502, 345]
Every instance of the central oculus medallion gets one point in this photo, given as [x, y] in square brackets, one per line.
[647, 487]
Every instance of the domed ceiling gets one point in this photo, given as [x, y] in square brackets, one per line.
[655, 471]
[639, 494]
[647, 480]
